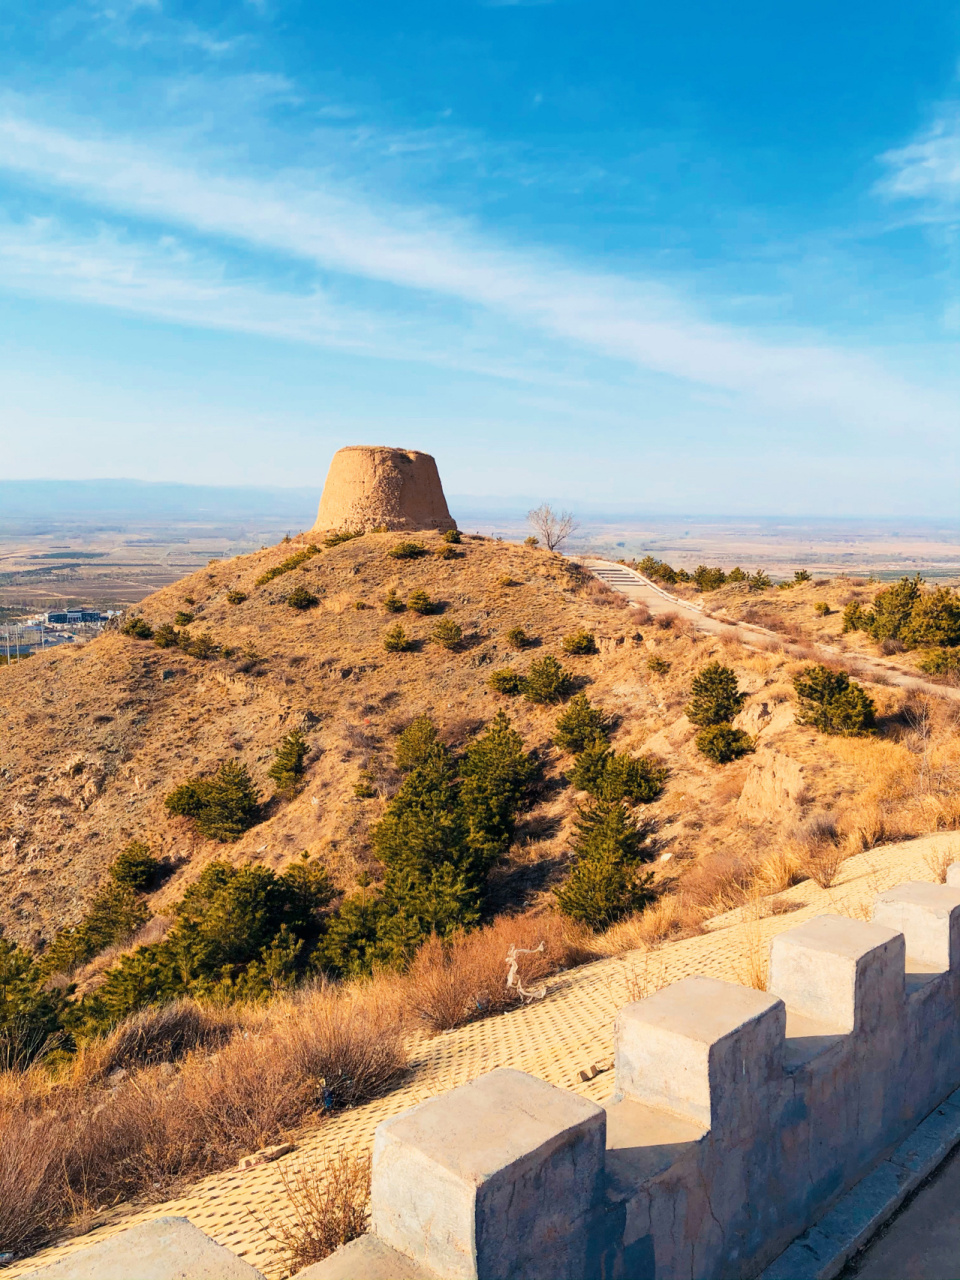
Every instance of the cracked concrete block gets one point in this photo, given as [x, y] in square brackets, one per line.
[845, 972]
[928, 916]
[165, 1249]
[500, 1178]
[698, 1048]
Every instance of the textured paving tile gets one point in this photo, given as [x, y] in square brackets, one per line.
[552, 1039]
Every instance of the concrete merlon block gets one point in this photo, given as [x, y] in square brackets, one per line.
[366, 1258]
[928, 916]
[491, 1179]
[164, 1249]
[953, 875]
[700, 1048]
[845, 972]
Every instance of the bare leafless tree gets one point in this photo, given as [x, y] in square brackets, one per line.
[552, 527]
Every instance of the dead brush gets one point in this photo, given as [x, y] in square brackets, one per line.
[328, 1207]
[820, 853]
[156, 1034]
[33, 1143]
[777, 870]
[940, 859]
[68, 1147]
[598, 592]
[666, 918]
[717, 883]
[752, 963]
[451, 983]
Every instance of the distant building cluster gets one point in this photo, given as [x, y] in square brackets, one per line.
[72, 617]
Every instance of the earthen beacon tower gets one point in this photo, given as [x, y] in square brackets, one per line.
[373, 487]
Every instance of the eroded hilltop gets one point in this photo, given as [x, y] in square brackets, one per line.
[94, 739]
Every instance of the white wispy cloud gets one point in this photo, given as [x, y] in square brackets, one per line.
[427, 253]
[928, 169]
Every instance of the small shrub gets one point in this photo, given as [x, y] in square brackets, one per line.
[345, 535]
[547, 681]
[223, 806]
[447, 633]
[580, 725]
[115, 913]
[415, 743]
[165, 636]
[507, 681]
[302, 598]
[715, 697]
[736, 574]
[421, 603]
[360, 605]
[801, 575]
[137, 627]
[447, 552]
[507, 581]
[940, 662]
[396, 640]
[613, 776]
[202, 646]
[236, 597]
[707, 579]
[531, 541]
[392, 602]
[821, 609]
[517, 638]
[659, 666]
[452, 535]
[722, 743]
[833, 703]
[182, 618]
[760, 581]
[364, 789]
[135, 867]
[407, 551]
[327, 1208]
[580, 642]
[288, 565]
[287, 768]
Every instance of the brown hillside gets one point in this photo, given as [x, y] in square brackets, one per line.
[92, 739]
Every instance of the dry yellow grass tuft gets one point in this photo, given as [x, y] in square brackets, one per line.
[328, 1206]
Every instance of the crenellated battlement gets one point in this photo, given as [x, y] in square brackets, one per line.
[739, 1117]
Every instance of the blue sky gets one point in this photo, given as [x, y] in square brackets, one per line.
[693, 257]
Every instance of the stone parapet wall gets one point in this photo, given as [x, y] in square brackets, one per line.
[738, 1119]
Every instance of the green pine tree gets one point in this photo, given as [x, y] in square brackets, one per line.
[606, 881]
[579, 725]
[833, 703]
[287, 768]
[496, 772]
[715, 699]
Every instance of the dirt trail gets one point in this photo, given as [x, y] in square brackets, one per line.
[640, 590]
